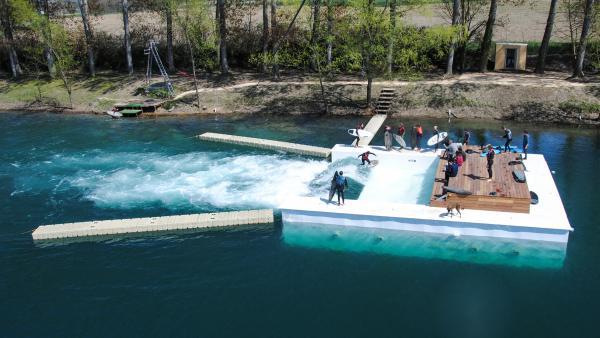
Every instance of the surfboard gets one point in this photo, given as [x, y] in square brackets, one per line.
[114, 114]
[458, 191]
[435, 139]
[534, 198]
[400, 140]
[519, 175]
[360, 133]
[374, 163]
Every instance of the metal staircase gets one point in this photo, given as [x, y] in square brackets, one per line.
[384, 103]
[152, 53]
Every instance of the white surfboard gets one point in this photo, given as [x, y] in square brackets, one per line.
[435, 139]
[400, 141]
[360, 133]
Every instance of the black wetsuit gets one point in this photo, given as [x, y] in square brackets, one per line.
[490, 162]
[508, 137]
[342, 183]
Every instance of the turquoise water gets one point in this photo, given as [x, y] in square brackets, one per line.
[250, 281]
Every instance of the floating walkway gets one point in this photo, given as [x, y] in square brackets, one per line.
[267, 144]
[152, 224]
[373, 126]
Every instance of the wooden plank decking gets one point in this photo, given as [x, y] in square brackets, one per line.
[511, 196]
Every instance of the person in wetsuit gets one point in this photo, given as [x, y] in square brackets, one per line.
[341, 184]
[525, 143]
[365, 157]
[508, 137]
[333, 186]
[490, 161]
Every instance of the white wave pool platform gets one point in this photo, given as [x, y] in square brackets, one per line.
[547, 221]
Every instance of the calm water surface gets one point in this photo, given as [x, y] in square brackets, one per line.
[250, 282]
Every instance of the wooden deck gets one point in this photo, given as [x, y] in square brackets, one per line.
[510, 195]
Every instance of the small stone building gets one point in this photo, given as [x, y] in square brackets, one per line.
[510, 56]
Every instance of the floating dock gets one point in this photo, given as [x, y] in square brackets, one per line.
[373, 127]
[295, 148]
[503, 193]
[152, 224]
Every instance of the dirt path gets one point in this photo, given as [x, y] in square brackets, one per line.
[550, 80]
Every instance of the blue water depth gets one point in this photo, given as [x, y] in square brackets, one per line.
[249, 282]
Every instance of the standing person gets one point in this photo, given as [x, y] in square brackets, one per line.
[460, 156]
[401, 130]
[419, 136]
[365, 157]
[341, 184]
[332, 187]
[508, 137]
[436, 132]
[466, 137]
[387, 138]
[490, 161]
[525, 143]
[451, 150]
[359, 126]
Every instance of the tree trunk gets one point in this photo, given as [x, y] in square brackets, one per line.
[585, 31]
[455, 18]
[127, 37]
[278, 42]
[87, 29]
[314, 36]
[541, 61]
[44, 10]
[390, 51]
[486, 44]
[265, 35]
[222, 37]
[462, 51]
[330, 32]
[274, 35]
[5, 20]
[170, 59]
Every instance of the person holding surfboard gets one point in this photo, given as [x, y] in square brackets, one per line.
[365, 157]
[359, 126]
[341, 184]
[436, 132]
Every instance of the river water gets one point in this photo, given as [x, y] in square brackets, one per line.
[251, 281]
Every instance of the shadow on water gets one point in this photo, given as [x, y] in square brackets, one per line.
[479, 250]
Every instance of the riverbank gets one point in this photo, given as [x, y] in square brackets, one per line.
[498, 96]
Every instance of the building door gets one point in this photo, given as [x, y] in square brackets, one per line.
[511, 58]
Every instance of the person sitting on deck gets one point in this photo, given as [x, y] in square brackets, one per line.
[365, 157]
[451, 149]
[490, 161]
[508, 137]
[451, 170]
[341, 184]
[460, 156]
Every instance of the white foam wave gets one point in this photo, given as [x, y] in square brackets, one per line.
[198, 179]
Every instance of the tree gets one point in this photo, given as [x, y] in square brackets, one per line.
[222, 37]
[127, 37]
[329, 40]
[7, 22]
[390, 55]
[486, 43]
[87, 29]
[455, 22]
[541, 61]
[44, 10]
[265, 35]
[277, 43]
[585, 31]
[169, 6]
